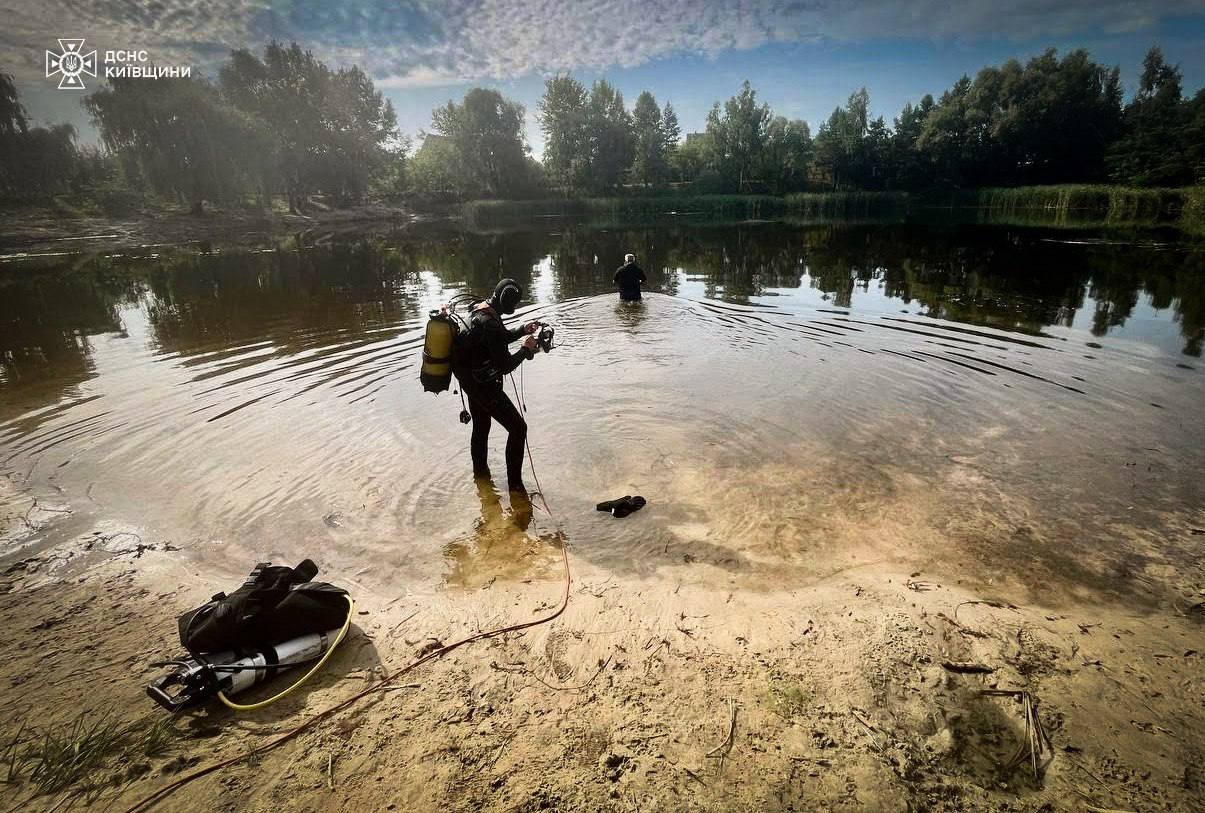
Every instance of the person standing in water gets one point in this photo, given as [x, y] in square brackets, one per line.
[482, 360]
[629, 278]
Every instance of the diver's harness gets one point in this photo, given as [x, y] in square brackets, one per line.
[277, 619]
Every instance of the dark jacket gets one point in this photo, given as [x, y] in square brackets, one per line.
[484, 356]
[629, 278]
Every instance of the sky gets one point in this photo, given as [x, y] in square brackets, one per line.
[804, 57]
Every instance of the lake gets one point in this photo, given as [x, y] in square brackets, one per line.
[1002, 405]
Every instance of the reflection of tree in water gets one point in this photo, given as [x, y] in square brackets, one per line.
[984, 279]
[46, 320]
[367, 289]
[475, 262]
[738, 263]
[296, 300]
[1172, 279]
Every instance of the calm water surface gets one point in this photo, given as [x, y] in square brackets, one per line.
[996, 403]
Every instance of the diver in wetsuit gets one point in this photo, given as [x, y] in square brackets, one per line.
[485, 359]
[629, 277]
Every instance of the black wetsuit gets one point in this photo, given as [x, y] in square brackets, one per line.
[629, 278]
[482, 365]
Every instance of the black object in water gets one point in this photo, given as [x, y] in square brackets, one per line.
[623, 506]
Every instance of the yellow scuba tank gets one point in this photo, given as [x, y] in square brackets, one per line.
[436, 372]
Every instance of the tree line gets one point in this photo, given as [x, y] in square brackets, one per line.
[286, 126]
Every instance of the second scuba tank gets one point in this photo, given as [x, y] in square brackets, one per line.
[436, 373]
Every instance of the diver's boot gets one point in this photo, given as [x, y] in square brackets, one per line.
[627, 505]
[609, 505]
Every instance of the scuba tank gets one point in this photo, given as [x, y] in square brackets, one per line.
[202, 677]
[442, 330]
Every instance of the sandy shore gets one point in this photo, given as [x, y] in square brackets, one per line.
[684, 690]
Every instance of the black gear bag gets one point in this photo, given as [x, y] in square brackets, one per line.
[275, 604]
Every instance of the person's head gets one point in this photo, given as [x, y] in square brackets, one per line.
[506, 296]
[629, 258]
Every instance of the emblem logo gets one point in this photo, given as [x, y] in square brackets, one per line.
[72, 63]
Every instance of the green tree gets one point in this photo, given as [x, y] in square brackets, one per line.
[839, 142]
[323, 130]
[909, 169]
[485, 132]
[1155, 148]
[563, 117]
[788, 152]
[738, 139]
[670, 130]
[13, 118]
[1195, 136]
[945, 140]
[435, 169]
[185, 138]
[692, 157]
[649, 164]
[610, 132]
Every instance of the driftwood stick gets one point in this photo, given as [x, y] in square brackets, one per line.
[723, 748]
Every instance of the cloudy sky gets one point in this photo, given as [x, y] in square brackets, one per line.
[804, 56]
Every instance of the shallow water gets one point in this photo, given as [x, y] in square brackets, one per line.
[993, 404]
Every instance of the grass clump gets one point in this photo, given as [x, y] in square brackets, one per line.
[787, 700]
[86, 755]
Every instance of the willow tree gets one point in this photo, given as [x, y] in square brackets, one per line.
[326, 130]
[184, 137]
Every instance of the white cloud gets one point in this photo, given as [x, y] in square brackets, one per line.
[431, 43]
[418, 77]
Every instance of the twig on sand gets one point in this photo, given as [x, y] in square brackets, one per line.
[963, 627]
[403, 686]
[1000, 605]
[1037, 746]
[393, 630]
[695, 776]
[721, 750]
[330, 771]
[1099, 781]
[522, 668]
[1095, 809]
[869, 729]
